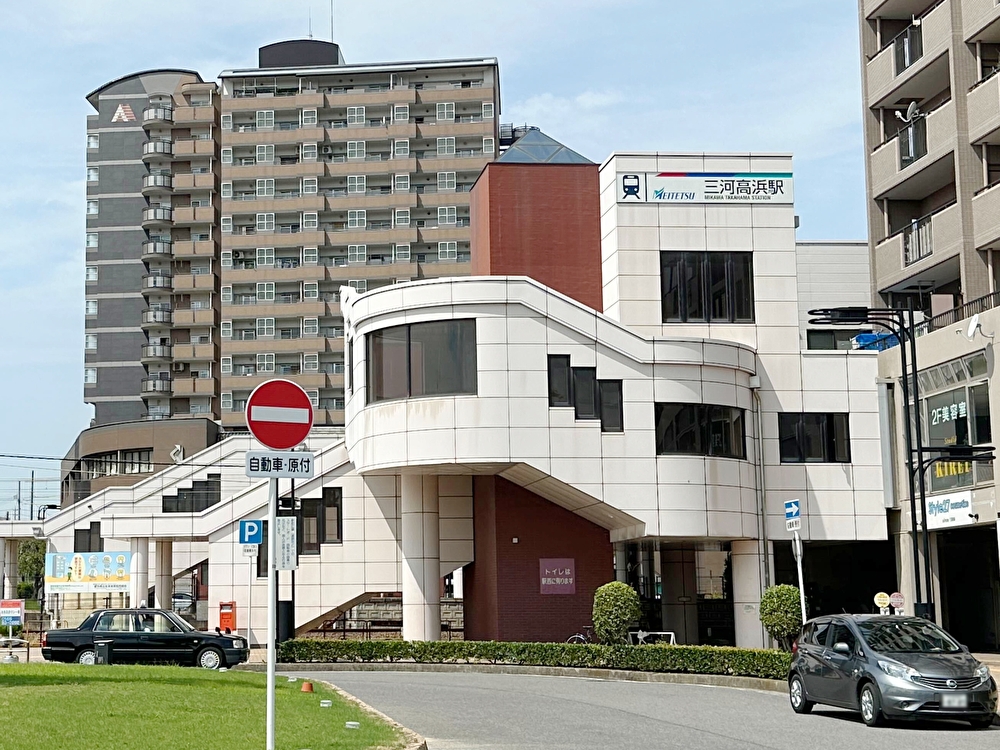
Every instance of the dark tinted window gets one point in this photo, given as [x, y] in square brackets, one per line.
[349, 368]
[333, 517]
[423, 359]
[916, 636]
[820, 632]
[585, 392]
[88, 539]
[843, 634]
[831, 339]
[612, 419]
[560, 381]
[814, 438]
[310, 518]
[262, 552]
[700, 429]
[387, 372]
[713, 286]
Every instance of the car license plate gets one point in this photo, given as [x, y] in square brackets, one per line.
[957, 700]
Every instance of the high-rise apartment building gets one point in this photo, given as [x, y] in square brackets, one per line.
[337, 175]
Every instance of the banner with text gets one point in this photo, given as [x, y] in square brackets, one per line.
[706, 187]
[87, 572]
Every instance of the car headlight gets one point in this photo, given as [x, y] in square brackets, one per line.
[983, 673]
[900, 671]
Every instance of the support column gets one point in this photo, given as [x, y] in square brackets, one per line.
[164, 573]
[139, 570]
[746, 563]
[621, 562]
[421, 558]
[458, 583]
[10, 573]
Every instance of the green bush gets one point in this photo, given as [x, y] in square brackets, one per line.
[718, 660]
[781, 614]
[616, 607]
[25, 590]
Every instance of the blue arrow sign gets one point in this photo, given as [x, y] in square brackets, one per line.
[251, 532]
[792, 509]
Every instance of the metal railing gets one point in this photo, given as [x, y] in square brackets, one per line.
[157, 147]
[157, 316]
[917, 240]
[908, 47]
[157, 180]
[157, 247]
[158, 113]
[157, 214]
[960, 313]
[159, 351]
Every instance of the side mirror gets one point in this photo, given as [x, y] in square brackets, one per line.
[841, 648]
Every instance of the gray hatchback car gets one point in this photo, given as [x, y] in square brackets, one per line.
[889, 668]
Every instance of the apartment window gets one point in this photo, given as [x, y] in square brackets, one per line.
[226, 363]
[91, 307]
[310, 186]
[700, 430]
[814, 438]
[265, 291]
[358, 285]
[137, 462]
[401, 183]
[357, 219]
[401, 147]
[310, 326]
[333, 528]
[89, 375]
[227, 225]
[488, 145]
[92, 208]
[265, 327]
[265, 119]
[357, 183]
[227, 156]
[707, 287]
[90, 341]
[446, 111]
[487, 110]
[560, 380]
[355, 149]
[227, 398]
[227, 292]
[446, 146]
[262, 562]
[357, 253]
[401, 217]
[90, 273]
[349, 366]
[832, 339]
[422, 359]
[310, 362]
[401, 253]
[609, 394]
[309, 117]
[310, 220]
[265, 154]
[93, 140]
[227, 190]
[92, 239]
[265, 222]
[265, 363]
[227, 122]
[355, 115]
[309, 152]
[585, 399]
[447, 214]
[447, 251]
[265, 188]
[310, 290]
[89, 539]
[92, 174]
[400, 113]
[313, 398]
[310, 256]
[446, 181]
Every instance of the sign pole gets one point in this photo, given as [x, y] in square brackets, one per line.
[250, 577]
[272, 610]
[797, 548]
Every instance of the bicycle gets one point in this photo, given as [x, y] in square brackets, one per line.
[585, 636]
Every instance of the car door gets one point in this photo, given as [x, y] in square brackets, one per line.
[814, 661]
[162, 640]
[842, 669]
[119, 628]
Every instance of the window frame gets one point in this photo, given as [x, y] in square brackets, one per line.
[554, 400]
[700, 417]
[794, 424]
[489, 144]
[450, 180]
[692, 273]
[356, 151]
[446, 146]
[357, 184]
[401, 147]
[400, 109]
[309, 117]
[401, 183]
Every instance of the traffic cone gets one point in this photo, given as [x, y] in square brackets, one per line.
[307, 687]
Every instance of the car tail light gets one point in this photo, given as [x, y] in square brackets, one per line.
[795, 646]
[45, 638]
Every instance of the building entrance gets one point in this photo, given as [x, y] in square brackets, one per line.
[969, 571]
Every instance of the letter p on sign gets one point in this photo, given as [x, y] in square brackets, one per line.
[251, 532]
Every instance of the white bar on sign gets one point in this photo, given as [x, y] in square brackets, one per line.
[286, 414]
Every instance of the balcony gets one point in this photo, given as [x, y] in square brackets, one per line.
[156, 385]
[157, 216]
[914, 64]
[194, 147]
[187, 282]
[189, 181]
[156, 353]
[912, 165]
[201, 318]
[981, 20]
[157, 281]
[157, 319]
[192, 115]
[194, 387]
[925, 242]
[986, 218]
[237, 345]
[153, 150]
[157, 250]
[270, 99]
[984, 110]
[194, 215]
[157, 116]
[194, 249]
[194, 352]
[157, 184]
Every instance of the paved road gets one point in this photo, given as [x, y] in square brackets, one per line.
[516, 712]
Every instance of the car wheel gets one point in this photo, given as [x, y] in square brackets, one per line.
[87, 656]
[210, 658]
[797, 696]
[984, 723]
[871, 705]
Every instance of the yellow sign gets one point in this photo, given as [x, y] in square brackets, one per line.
[881, 599]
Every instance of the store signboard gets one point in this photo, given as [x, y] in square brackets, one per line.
[558, 575]
[705, 187]
[87, 572]
[948, 511]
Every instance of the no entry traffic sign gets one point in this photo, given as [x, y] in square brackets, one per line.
[279, 414]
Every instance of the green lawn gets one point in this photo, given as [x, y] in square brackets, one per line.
[70, 706]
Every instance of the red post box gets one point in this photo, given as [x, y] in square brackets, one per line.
[227, 617]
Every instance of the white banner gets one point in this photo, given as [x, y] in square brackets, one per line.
[954, 509]
[285, 528]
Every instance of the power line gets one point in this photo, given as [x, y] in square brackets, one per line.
[23, 457]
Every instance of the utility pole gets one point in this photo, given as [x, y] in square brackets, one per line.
[18, 499]
[31, 507]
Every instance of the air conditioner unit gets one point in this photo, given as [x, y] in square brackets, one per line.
[327, 149]
[178, 367]
[237, 255]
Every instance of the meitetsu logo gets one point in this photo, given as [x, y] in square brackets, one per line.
[661, 194]
[941, 507]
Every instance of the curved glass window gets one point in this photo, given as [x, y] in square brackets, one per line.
[437, 358]
[700, 430]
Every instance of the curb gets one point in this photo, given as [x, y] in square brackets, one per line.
[413, 740]
[622, 675]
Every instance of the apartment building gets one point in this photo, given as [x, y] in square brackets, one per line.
[932, 144]
[338, 175]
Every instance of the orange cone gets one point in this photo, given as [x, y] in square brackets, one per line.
[307, 687]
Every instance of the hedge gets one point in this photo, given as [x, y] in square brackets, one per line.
[720, 660]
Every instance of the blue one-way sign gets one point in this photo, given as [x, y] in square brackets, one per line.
[792, 509]
[251, 532]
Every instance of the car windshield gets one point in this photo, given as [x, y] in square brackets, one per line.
[180, 622]
[88, 624]
[907, 637]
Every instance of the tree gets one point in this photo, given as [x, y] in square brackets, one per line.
[616, 607]
[31, 561]
[781, 614]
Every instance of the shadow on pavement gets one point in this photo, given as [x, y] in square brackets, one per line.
[853, 717]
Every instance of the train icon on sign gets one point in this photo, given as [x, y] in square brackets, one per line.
[630, 186]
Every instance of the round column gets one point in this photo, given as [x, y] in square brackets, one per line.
[421, 558]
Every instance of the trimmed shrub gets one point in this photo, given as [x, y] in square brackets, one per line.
[718, 660]
[25, 590]
[781, 614]
[616, 607]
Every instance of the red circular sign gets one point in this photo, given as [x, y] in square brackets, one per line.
[279, 414]
[897, 600]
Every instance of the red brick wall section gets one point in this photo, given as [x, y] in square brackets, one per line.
[541, 221]
[543, 530]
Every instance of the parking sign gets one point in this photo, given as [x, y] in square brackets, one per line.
[251, 532]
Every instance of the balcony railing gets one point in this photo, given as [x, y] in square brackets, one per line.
[157, 385]
[912, 142]
[917, 240]
[166, 114]
[157, 147]
[908, 47]
[157, 214]
[157, 180]
[157, 247]
[157, 316]
[157, 351]
[960, 313]
[157, 281]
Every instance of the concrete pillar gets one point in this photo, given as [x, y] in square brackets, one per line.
[164, 573]
[421, 558]
[679, 576]
[139, 570]
[10, 574]
[621, 562]
[746, 562]
[458, 583]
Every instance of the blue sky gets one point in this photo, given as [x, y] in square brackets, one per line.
[598, 75]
